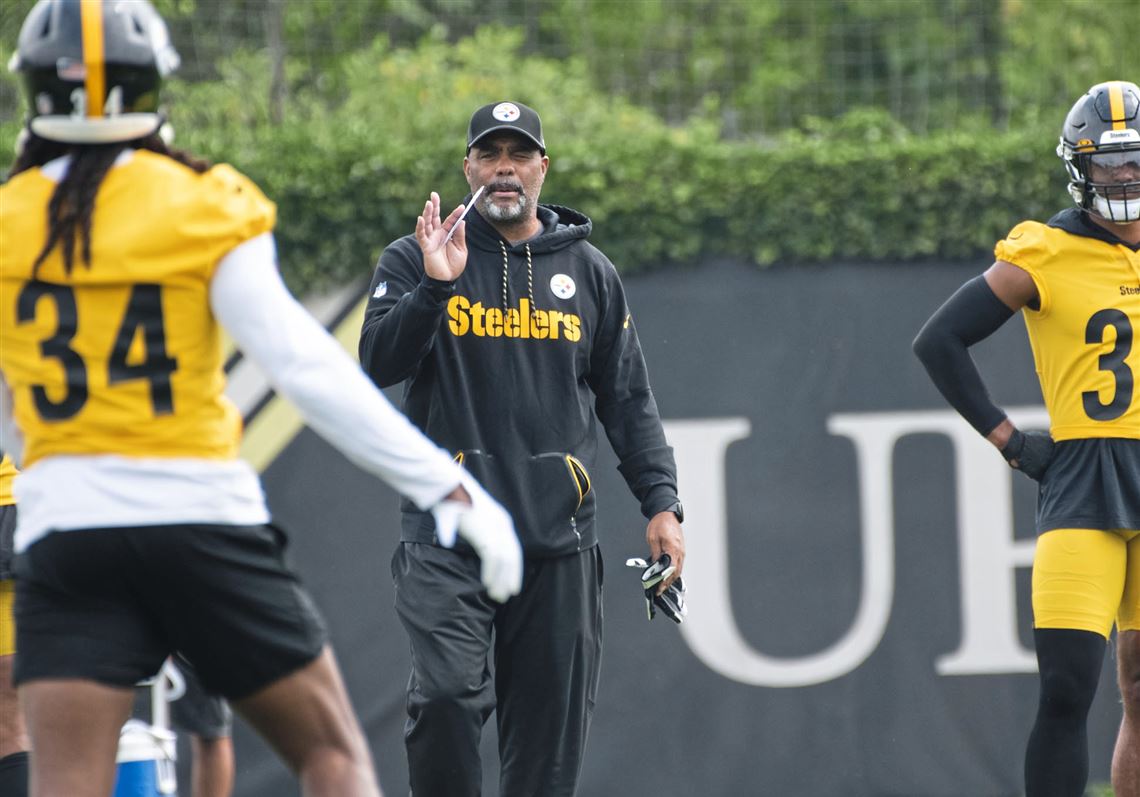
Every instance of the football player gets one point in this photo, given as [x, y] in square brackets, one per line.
[140, 530]
[1076, 280]
[13, 735]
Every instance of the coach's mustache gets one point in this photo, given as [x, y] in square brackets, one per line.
[505, 185]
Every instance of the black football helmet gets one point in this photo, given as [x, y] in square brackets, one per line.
[92, 69]
[1100, 145]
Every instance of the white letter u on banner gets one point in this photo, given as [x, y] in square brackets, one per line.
[711, 631]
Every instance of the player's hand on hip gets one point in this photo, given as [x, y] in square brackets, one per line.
[664, 536]
[445, 256]
[1029, 452]
[487, 528]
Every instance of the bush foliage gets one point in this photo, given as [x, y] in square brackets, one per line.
[349, 176]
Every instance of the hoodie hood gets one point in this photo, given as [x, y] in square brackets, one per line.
[1077, 222]
[561, 226]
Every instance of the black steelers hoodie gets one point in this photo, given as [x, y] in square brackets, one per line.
[509, 366]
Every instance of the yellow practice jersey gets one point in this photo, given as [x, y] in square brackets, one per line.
[1084, 334]
[123, 356]
[7, 475]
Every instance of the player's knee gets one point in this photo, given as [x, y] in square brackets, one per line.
[442, 704]
[1128, 671]
[1066, 694]
[349, 752]
[1130, 696]
[345, 750]
[336, 769]
[1130, 690]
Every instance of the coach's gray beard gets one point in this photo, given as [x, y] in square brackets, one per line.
[508, 214]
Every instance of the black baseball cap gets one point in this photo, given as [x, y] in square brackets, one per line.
[505, 115]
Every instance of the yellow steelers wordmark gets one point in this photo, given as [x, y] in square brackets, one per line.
[464, 318]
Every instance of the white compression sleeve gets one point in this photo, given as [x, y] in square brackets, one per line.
[311, 369]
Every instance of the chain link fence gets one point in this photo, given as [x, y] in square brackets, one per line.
[757, 67]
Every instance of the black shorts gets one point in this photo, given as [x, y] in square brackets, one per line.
[1091, 483]
[110, 605]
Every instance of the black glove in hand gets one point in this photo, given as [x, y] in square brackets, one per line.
[672, 601]
[1029, 452]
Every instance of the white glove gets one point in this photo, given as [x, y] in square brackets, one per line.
[487, 528]
[672, 600]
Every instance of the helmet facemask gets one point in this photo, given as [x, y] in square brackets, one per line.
[1112, 183]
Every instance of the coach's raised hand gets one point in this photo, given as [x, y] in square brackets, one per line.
[445, 256]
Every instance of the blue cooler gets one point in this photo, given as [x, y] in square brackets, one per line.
[145, 762]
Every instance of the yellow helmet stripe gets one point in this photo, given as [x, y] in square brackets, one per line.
[91, 19]
[1116, 104]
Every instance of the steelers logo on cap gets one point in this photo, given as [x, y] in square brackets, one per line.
[506, 112]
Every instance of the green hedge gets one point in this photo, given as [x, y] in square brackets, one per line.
[351, 175]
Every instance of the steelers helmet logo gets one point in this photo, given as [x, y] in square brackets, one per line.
[562, 286]
[506, 112]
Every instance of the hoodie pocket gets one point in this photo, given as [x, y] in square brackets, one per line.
[581, 479]
[547, 495]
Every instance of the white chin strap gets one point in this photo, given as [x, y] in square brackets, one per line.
[107, 130]
[1120, 211]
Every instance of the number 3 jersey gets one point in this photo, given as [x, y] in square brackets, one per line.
[122, 355]
[1084, 332]
[1083, 344]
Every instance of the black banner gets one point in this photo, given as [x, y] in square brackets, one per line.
[858, 558]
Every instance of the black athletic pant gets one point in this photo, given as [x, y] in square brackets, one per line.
[547, 654]
[14, 775]
[1057, 758]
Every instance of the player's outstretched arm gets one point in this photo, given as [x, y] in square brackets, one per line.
[309, 367]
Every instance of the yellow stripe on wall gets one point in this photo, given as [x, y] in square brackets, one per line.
[274, 428]
[228, 346]
[1116, 104]
[91, 20]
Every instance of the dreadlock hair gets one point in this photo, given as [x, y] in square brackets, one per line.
[72, 202]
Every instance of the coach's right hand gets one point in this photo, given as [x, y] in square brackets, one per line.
[443, 260]
[487, 528]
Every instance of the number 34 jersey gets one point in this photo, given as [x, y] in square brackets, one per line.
[123, 356]
[1084, 333]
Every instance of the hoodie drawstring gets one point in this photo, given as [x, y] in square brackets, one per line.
[529, 277]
